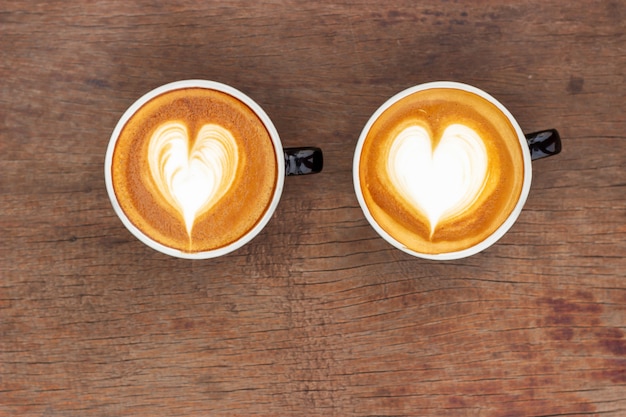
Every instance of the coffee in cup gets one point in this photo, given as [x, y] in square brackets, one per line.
[195, 168]
[442, 170]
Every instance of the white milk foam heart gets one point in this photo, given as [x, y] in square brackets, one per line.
[192, 179]
[443, 181]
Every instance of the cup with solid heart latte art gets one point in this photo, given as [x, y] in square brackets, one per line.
[442, 170]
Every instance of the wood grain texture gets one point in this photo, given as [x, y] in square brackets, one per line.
[317, 316]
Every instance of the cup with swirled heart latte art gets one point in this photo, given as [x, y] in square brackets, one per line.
[195, 169]
[442, 170]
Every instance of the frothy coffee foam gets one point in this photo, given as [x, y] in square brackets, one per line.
[456, 170]
[192, 177]
[194, 169]
[440, 170]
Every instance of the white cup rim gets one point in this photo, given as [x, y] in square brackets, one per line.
[278, 148]
[502, 229]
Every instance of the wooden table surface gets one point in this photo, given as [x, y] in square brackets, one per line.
[317, 316]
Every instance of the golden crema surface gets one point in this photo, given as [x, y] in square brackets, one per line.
[194, 169]
[441, 169]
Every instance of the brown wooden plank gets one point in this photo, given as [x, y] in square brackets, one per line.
[317, 316]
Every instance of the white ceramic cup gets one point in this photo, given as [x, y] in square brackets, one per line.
[537, 142]
[291, 161]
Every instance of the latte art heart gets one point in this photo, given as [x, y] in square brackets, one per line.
[442, 181]
[192, 178]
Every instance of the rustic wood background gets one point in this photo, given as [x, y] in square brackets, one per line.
[317, 316]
